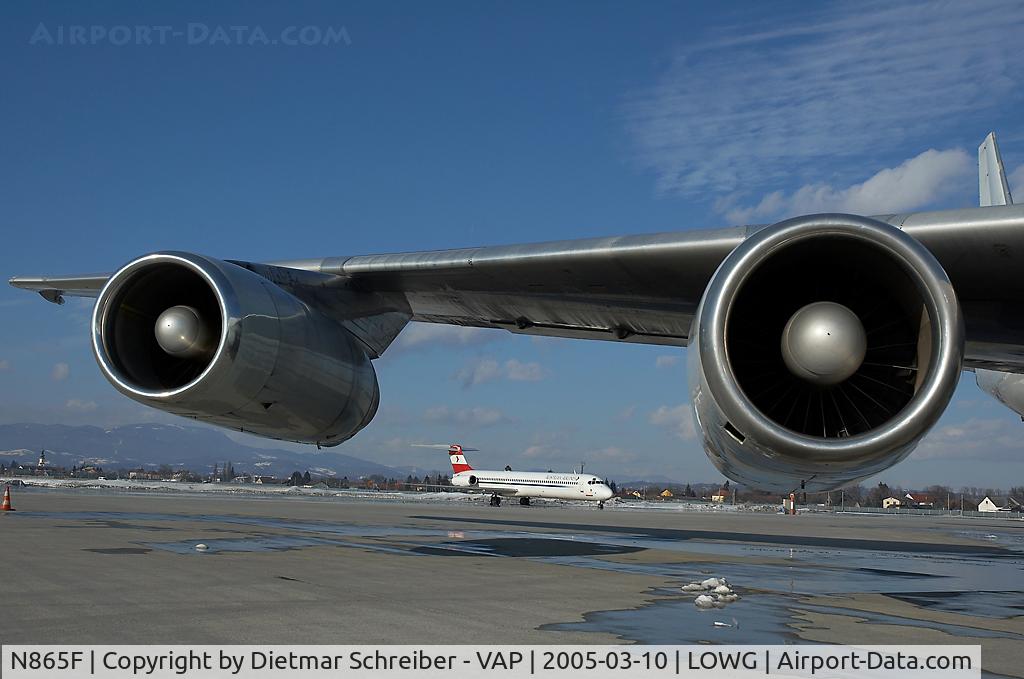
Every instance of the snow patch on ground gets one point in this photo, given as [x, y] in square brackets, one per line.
[125, 485]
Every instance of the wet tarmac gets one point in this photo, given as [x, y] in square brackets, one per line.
[94, 568]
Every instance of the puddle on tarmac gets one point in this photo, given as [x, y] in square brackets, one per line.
[755, 619]
[119, 550]
[771, 575]
[529, 547]
[677, 621]
[264, 543]
[983, 604]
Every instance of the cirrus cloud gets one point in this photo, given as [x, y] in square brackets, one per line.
[748, 109]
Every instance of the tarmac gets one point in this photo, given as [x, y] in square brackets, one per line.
[85, 567]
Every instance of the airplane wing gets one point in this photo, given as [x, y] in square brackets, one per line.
[641, 288]
[55, 288]
[827, 345]
[644, 289]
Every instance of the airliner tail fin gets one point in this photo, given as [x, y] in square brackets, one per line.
[458, 459]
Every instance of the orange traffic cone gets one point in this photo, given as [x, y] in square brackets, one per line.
[6, 506]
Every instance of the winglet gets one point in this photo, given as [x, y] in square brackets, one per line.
[992, 186]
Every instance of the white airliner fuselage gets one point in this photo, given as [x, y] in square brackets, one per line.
[505, 483]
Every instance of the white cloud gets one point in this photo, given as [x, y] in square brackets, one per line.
[524, 372]
[1016, 182]
[425, 335]
[80, 406]
[551, 444]
[996, 439]
[612, 454]
[677, 419]
[626, 413]
[60, 372]
[480, 371]
[912, 184]
[666, 361]
[836, 85]
[538, 451]
[473, 417]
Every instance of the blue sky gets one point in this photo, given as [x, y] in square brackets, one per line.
[459, 123]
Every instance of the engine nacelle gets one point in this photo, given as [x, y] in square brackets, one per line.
[823, 350]
[1007, 388]
[210, 340]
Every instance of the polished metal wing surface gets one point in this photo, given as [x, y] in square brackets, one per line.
[643, 288]
[646, 288]
[55, 288]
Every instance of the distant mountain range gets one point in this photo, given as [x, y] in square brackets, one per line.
[195, 448]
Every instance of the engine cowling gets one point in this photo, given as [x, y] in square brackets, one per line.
[211, 340]
[1007, 388]
[823, 350]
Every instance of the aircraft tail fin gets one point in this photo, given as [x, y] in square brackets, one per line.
[458, 459]
[992, 186]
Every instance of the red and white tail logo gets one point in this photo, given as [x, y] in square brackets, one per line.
[458, 460]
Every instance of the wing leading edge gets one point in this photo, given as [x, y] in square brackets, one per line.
[645, 288]
[55, 288]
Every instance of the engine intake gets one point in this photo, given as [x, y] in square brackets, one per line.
[826, 347]
[213, 341]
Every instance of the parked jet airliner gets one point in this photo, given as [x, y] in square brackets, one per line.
[822, 348]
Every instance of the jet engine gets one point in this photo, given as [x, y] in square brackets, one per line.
[1007, 388]
[823, 350]
[213, 341]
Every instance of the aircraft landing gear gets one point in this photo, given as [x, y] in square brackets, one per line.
[600, 505]
[495, 500]
[524, 501]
